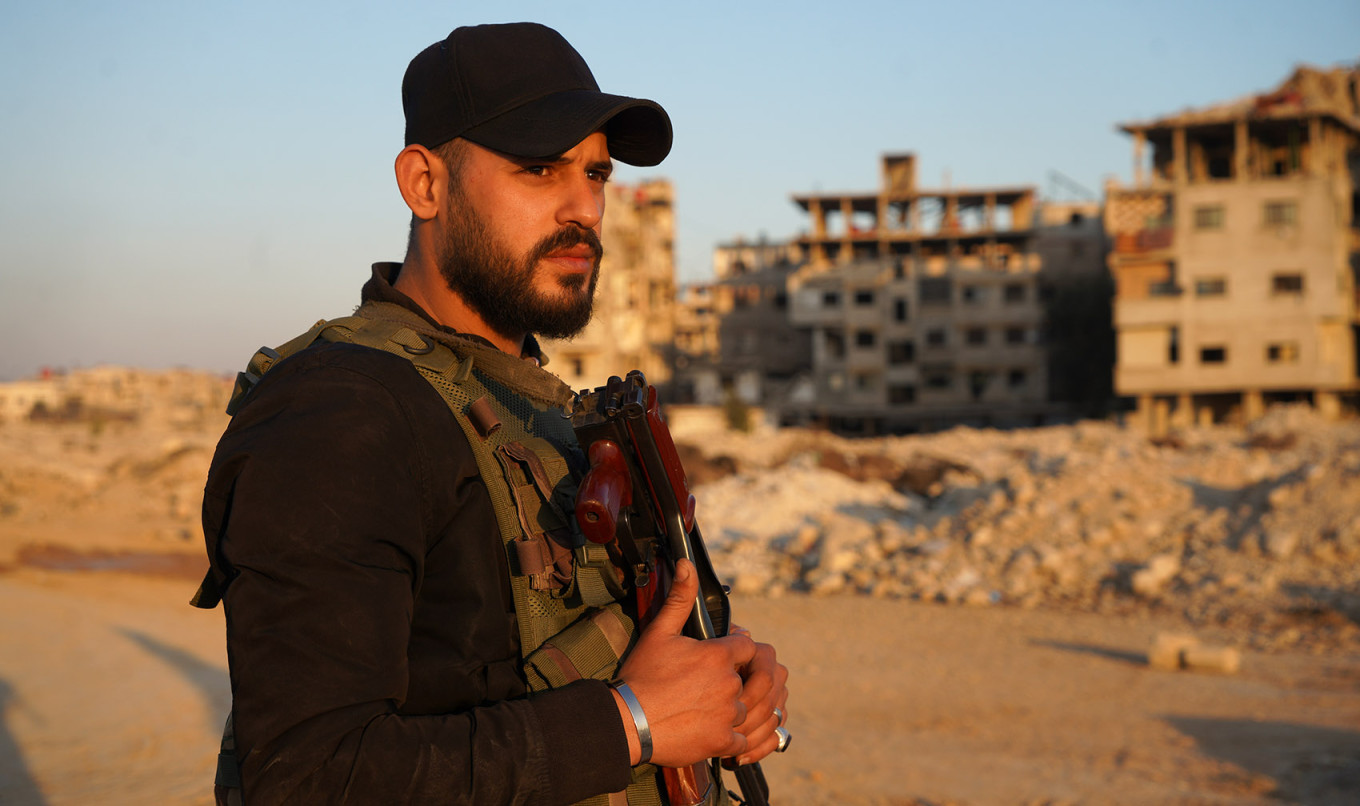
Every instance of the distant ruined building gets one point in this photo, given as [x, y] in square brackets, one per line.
[908, 308]
[1237, 254]
[635, 303]
[105, 393]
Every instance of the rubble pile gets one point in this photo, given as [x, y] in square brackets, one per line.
[1252, 530]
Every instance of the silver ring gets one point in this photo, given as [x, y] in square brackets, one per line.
[784, 739]
[778, 717]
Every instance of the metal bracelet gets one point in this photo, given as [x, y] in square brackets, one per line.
[644, 731]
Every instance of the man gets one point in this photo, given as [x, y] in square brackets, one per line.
[410, 617]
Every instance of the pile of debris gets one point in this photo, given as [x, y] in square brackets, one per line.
[1255, 531]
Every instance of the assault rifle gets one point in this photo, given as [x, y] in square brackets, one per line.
[635, 501]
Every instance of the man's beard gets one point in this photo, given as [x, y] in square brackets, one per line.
[499, 287]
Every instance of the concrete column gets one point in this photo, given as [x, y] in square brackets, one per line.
[1184, 416]
[1161, 418]
[1143, 414]
[1315, 154]
[818, 218]
[1241, 151]
[1327, 403]
[1204, 417]
[1179, 156]
[1139, 163]
[1253, 405]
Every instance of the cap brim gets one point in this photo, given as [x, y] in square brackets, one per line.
[638, 130]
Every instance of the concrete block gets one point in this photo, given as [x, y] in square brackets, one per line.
[1167, 649]
[1222, 659]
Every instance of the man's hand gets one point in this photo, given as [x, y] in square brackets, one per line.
[691, 690]
[764, 690]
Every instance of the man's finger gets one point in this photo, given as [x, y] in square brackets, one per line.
[679, 602]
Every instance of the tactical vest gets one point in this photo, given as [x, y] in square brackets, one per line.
[515, 415]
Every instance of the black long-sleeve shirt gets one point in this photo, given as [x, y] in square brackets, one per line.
[371, 634]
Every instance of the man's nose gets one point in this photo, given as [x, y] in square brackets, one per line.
[582, 204]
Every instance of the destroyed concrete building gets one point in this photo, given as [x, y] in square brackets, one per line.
[930, 307]
[754, 353]
[635, 304]
[1237, 254]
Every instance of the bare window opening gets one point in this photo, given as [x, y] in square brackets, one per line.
[1285, 352]
[578, 366]
[900, 309]
[1211, 287]
[936, 290]
[973, 294]
[1280, 213]
[864, 297]
[1213, 355]
[1209, 217]
[865, 338]
[976, 336]
[1287, 284]
[939, 379]
[1015, 335]
[1016, 378]
[1014, 292]
[935, 337]
[1173, 345]
[835, 343]
[901, 394]
[901, 352]
[830, 299]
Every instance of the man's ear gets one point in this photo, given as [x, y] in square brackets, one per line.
[421, 178]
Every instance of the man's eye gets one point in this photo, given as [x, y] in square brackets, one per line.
[598, 176]
[536, 170]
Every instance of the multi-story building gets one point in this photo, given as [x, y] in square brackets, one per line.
[635, 309]
[928, 307]
[1237, 253]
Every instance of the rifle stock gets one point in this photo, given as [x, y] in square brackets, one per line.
[635, 499]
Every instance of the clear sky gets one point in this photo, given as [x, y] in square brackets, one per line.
[183, 182]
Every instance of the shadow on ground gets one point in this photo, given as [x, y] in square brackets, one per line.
[17, 786]
[1135, 658]
[212, 682]
[1310, 765]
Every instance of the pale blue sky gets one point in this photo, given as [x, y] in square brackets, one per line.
[182, 182]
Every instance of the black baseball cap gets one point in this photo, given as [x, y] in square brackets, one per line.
[522, 89]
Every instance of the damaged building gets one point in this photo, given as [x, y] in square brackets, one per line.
[1236, 254]
[932, 307]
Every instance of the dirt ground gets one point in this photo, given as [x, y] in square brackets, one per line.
[112, 691]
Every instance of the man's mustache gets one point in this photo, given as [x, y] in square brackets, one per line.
[566, 238]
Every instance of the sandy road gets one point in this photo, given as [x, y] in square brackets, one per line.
[112, 690]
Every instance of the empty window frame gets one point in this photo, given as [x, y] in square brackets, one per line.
[1287, 283]
[1209, 217]
[900, 309]
[1284, 352]
[935, 290]
[976, 336]
[901, 394]
[1015, 335]
[901, 352]
[1211, 286]
[1216, 354]
[937, 337]
[1280, 213]
[864, 297]
[1016, 378]
[865, 338]
[831, 299]
[1014, 292]
[973, 294]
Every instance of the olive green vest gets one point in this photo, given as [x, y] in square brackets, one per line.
[517, 419]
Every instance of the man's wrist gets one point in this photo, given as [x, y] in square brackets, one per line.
[639, 719]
